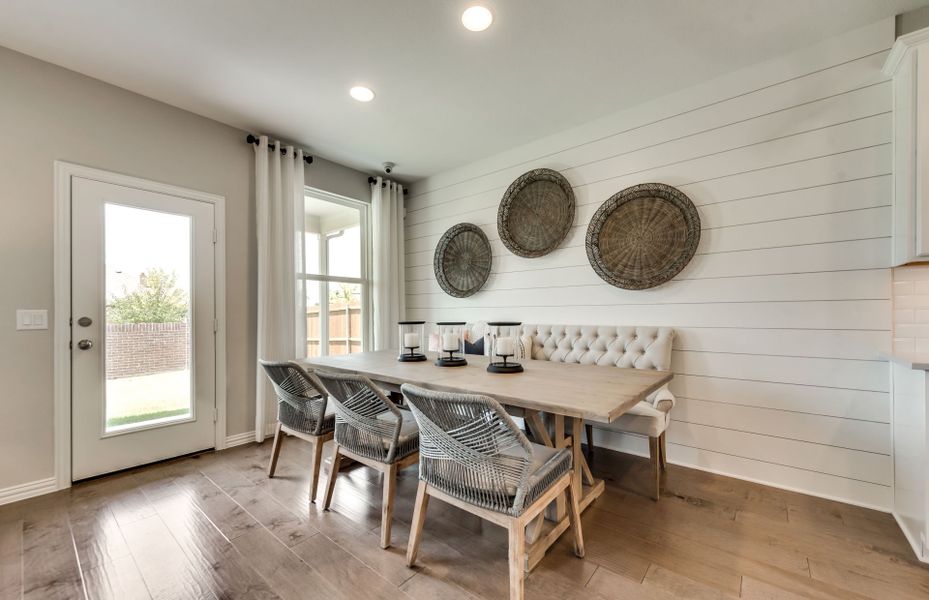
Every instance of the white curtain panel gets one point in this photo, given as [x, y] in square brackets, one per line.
[388, 276]
[279, 193]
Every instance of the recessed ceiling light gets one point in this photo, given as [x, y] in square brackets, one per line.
[361, 93]
[477, 18]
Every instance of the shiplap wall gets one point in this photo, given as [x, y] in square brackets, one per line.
[782, 313]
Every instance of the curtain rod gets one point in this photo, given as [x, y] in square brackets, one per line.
[251, 139]
[372, 180]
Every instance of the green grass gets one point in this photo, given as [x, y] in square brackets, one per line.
[141, 418]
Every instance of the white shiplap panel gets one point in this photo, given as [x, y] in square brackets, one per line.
[867, 223]
[505, 290]
[836, 402]
[732, 166]
[816, 343]
[852, 314]
[831, 431]
[836, 256]
[795, 92]
[834, 487]
[784, 309]
[826, 372]
[854, 464]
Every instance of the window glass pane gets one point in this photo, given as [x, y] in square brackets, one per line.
[311, 253]
[314, 330]
[333, 238]
[148, 319]
[345, 318]
[344, 252]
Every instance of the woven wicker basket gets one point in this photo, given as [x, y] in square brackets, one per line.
[462, 260]
[536, 213]
[643, 236]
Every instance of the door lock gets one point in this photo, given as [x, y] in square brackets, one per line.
[85, 344]
[85, 321]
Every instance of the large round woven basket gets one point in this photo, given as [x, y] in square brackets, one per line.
[462, 260]
[536, 213]
[643, 236]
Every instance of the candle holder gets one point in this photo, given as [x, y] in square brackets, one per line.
[451, 344]
[504, 336]
[412, 336]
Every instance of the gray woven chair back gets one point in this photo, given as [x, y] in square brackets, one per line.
[470, 448]
[366, 421]
[301, 400]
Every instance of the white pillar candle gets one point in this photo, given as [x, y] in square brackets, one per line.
[504, 346]
[411, 340]
[450, 342]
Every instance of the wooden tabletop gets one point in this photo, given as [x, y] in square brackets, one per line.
[599, 394]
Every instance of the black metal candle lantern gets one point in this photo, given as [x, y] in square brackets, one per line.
[451, 344]
[412, 336]
[504, 337]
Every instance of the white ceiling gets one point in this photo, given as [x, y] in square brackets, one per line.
[445, 96]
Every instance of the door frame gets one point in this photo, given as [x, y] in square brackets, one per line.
[61, 328]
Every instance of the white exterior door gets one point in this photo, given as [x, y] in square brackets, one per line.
[143, 353]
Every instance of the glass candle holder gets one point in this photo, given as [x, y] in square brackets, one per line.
[504, 337]
[451, 344]
[412, 339]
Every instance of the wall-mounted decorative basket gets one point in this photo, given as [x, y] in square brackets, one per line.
[462, 260]
[536, 213]
[643, 236]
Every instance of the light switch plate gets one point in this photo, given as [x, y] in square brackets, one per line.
[31, 319]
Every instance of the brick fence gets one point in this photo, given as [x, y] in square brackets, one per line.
[134, 349]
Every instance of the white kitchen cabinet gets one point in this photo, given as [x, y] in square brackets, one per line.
[908, 64]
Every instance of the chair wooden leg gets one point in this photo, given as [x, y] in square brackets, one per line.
[387, 504]
[416, 527]
[517, 535]
[315, 467]
[654, 452]
[664, 450]
[333, 473]
[574, 513]
[275, 449]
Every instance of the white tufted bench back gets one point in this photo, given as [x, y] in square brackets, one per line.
[628, 347]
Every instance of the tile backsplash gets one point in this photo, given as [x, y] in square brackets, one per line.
[911, 309]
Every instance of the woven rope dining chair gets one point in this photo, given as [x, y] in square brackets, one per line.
[302, 411]
[474, 457]
[370, 429]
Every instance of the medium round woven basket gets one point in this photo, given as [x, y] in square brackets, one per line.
[643, 236]
[462, 260]
[536, 213]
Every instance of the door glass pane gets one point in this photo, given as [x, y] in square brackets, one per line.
[148, 317]
[344, 318]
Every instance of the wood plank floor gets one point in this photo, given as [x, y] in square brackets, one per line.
[214, 526]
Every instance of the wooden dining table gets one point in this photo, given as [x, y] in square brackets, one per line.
[566, 394]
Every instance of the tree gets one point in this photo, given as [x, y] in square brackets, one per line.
[344, 293]
[157, 300]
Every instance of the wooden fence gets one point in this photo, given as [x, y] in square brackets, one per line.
[344, 328]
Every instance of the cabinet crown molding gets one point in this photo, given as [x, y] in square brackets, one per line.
[900, 48]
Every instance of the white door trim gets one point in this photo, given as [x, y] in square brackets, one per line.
[61, 330]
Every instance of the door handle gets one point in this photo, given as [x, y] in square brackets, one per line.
[85, 344]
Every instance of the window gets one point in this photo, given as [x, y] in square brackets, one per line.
[336, 274]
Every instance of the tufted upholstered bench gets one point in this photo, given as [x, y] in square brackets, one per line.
[612, 346]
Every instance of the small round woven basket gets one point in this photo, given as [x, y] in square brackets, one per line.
[462, 260]
[536, 213]
[643, 236]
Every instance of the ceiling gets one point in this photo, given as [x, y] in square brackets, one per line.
[445, 96]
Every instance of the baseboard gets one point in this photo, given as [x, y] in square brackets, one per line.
[28, 490]
[917, 545]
